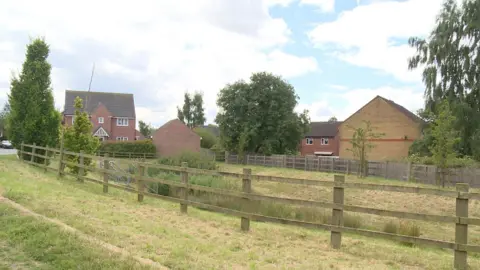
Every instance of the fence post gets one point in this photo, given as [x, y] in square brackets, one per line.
[332, 169]
[386, 169]
[45, 160]
[461, 227]
[294, 161]
[81, 169]
[21, 153]
[246, 188]
[348, 166]
[409, 170]
[106, 166]
[226, 157]
[32, 155]
[184, 194]
[61, 166]
[140, 182]
[337, 211]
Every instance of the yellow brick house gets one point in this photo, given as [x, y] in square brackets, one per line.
[399, 126]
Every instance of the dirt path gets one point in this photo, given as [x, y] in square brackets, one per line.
[82, 235]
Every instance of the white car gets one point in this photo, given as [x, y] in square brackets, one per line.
[6, 144]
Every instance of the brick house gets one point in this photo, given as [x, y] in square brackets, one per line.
[321, 140]
[400, 127]
[112, 114]
[174, 137]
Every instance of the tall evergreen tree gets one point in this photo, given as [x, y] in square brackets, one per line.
[198, 112]
[33, 118]
[192, 113]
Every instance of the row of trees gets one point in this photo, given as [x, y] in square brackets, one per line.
[31, 117]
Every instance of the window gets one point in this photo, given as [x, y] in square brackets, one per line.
[122, 122]
[309, 141]
[100, 120]
[73, 119]
[324, 141]
[122, 138]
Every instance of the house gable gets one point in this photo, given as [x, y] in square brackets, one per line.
[101, 132]
[175, 137]
[398, 126]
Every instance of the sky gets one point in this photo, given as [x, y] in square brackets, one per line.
[338, 54]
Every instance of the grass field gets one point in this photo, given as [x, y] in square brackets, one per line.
[156, 230]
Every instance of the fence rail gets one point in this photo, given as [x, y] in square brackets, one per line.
[462, 195]
[425, 174]
[127, 154]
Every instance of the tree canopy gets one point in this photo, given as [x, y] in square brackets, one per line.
[33, 118]
[3, 120]
[192, 112]
[450, 60]
[258, 116]
[208, 138]
[78, 137]
[145, 129]
[332, 119]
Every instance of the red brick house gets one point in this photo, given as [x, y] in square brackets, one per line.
[321, 140]
[112, 114]
[175, 137]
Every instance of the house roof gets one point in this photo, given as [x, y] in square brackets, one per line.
[323, 129]
[173, 121]
[100, 129]
[400, 108]
[403, 110]
[119, 104]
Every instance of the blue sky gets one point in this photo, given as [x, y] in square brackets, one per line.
[337, 54]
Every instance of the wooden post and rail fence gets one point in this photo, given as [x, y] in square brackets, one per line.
[462, 195]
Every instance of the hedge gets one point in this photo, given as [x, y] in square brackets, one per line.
[138, 147]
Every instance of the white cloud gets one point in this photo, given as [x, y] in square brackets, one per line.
[366, 36]
[186, 45]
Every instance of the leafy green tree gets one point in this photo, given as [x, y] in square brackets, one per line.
[79, 137]
[33, 118]
[258, 116]
[208, 138]
[3, 120]
[450, 62]
[192, 113]
[444, 137]
[332, 119]
[145, 129]
[361, 145]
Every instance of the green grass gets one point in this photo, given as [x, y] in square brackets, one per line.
[29, 243]
[156, 230]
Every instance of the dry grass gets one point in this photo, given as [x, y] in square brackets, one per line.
[202, 240]
[427, 204]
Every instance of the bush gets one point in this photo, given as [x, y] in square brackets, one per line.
[193, 159]
[459, 162]
[208, 138]
[138, 147]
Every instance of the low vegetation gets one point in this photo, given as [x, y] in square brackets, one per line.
[29, 243]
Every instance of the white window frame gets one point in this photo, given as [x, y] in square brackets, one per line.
[121, 138]
[73, 119]
[122, 122]
[309, 141]
[101, 120]
[324, 141]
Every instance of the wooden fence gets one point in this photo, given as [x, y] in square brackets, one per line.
[425, 174]
[338, 206]
[127, 154]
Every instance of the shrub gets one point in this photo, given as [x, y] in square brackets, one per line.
[193, 159]
[137, 147]
[208, 138]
